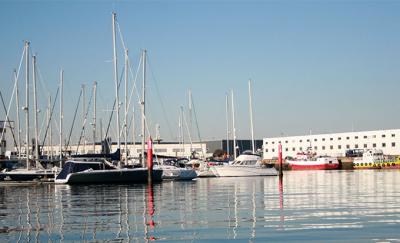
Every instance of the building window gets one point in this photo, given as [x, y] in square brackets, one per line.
[266, 142]
[374, 145]
[339, 146]
[383, 135]
[383, 145]
[347, 146]
[393, 135]
[356, 146]
[279, 142]
[273, 142]
[347, 138]
[356, 137]
[373, 136]
[365, 137]
[331, 146]
[365, 145]
[323, 147]
[323, 139]
[293, 149]
[286, 149]
[308, 140]
[301, 141]
[331, 139]
[339, 138]
[315, 148]
[286, 141]
[315, 139]
[273, 150]
[266, 150]
[301, 149]
[393, 144]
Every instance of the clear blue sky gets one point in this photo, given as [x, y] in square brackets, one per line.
[328, 66]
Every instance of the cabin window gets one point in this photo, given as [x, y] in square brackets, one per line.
[383, 145]
[374, 145]
[393, 144]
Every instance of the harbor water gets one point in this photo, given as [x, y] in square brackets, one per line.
[320, 206]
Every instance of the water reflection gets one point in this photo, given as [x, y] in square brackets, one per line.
[342, 205]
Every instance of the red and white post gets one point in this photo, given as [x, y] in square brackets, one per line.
[150, 158]
[280, 159]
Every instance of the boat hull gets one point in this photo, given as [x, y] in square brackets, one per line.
[178, 174]
[136, 175]
[242, 171]
[28, 175]
[377, 165]
[296, 166]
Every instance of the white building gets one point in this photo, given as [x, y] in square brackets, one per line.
[334, 144]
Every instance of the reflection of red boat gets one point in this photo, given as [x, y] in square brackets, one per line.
[308, 161]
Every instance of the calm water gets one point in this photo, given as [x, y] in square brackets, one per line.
[352, 206]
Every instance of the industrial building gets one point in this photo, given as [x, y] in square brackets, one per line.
[334, 144]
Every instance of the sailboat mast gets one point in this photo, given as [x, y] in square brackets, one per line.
[126, 106]
[114, 15]
[35, 110]
[190, 119]
[83, 117]
[50, 129]
[233, 127]
[251, 118]
[26, 108]
[227, 124]
[94, 115]
[17, 110]
[143, 107]
[61, 111]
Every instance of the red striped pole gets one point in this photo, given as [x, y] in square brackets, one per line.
[280, 159]
[150, 158]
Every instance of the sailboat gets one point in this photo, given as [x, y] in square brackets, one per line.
[28, 173]
[100, 170]
[248, 163]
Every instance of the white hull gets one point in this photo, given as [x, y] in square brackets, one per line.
[239, 171]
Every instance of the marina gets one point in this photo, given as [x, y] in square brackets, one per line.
[199, 121]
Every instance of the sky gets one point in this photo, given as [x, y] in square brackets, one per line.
[319, 66]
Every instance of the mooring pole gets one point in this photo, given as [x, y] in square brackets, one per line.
[150, 159]
[280, 159]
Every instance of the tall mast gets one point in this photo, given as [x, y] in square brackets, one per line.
[190, 118]
[35, 111]
[94, 115]
[227, 124]
[26, 108]
[126, 107]
[17, 110]
[50, 128]
[251, 118]
[143, 107]
[114, 15]
[61, 112]
[83, 117]
[233, 127]
[181, 131]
